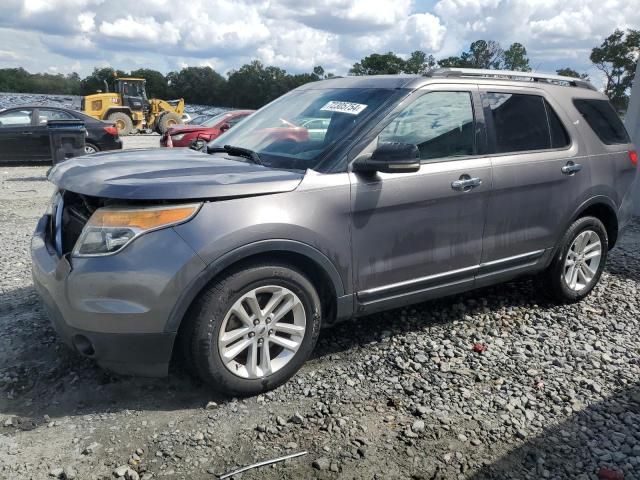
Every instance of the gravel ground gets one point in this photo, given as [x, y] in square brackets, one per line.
[398, 395]
[141, 141]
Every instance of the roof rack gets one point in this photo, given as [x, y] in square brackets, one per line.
[510, 75]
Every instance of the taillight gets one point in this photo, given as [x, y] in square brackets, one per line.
[111, 131]
[633, 156]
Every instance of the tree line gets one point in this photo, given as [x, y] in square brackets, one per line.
[254, 84]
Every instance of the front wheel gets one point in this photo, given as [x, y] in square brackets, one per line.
[579, 262]
[251, 331]
[168, 120]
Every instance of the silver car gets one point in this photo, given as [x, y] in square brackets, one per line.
[421, 186]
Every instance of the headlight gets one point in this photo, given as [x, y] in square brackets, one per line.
[178, 137]
[110, 229]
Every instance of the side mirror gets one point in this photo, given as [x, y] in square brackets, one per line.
[224, 127]
[393, 157]
[198, 145]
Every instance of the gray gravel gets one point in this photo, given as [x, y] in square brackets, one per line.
[398, 395]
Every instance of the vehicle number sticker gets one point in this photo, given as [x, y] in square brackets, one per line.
[344, 107]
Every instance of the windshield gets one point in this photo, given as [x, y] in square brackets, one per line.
[213, 120]
[295, 131]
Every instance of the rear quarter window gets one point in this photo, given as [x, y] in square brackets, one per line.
[603, 120]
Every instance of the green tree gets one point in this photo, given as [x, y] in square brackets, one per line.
[200, 85]
[483, 54]
[570, 72]
[486, 54]
[378, 64]
[419, 62]
[515, 58]
[318, 71]
[156, 82]
[616, 58]
[96, 80]
[452, 62]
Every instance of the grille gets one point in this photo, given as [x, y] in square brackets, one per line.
[70, 214]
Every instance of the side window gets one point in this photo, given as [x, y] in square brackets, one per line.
[559, 135]
[439, 123]
[46, 115]
[233, 121]
[520, 121]
[16, 118]
[603, 120]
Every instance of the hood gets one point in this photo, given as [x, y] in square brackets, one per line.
[187, 128]
[169, 174]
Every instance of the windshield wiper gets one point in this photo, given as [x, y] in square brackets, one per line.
[237, 151]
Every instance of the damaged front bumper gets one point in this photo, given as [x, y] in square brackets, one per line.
[116, 309]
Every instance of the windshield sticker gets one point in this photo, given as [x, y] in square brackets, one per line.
[344, 107]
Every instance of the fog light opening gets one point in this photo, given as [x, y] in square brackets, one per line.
[83, 345]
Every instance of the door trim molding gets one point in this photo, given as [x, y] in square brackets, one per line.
[449, 278]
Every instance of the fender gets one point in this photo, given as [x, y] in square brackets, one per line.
[598, 199]
[229, 258]
[111, 110]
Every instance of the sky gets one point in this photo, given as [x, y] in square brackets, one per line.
[61, 36]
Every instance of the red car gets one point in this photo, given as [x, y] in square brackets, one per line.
[184, 135]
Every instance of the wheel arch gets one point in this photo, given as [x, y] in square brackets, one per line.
[310, 261]
[604, 209]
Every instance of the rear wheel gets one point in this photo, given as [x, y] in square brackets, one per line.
[251, 331]
[168, 120]
[90, 148]
[122, 121]
[579, 263]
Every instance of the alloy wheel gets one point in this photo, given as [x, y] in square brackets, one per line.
[262, 331]
[582, 260]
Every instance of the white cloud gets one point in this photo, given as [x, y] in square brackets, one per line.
[8, 56]
[339, 15]
[145, 29]
[86, 21]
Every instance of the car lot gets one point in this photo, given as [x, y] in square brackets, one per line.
[555, 394]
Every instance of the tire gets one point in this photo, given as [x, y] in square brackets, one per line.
[90, 148]
[555, 281]
[213, 311]
[123, 122]
[168, 120]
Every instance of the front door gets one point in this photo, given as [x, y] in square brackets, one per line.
[16, 135]
[539, 179]
[418, 235]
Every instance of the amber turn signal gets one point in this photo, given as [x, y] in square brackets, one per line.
[142, 218]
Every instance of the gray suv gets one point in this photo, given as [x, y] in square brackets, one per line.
[414, 187]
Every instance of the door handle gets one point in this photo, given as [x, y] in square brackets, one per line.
[27, 133]
[466, 183]
[570, 168]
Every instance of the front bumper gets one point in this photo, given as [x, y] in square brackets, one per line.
[115, 309]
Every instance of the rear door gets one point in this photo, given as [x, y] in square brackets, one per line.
[16, 135]
[41, 133]
[418, 235]
[540, 174]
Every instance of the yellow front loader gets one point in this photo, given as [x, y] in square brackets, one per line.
[130, 109]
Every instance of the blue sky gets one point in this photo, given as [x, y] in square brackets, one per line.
[76, 35]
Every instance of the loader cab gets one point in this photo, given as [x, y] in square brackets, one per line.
[133, 93]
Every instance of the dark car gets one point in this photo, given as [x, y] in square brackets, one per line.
[185, 135]
[24, 135]
[411, 188]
